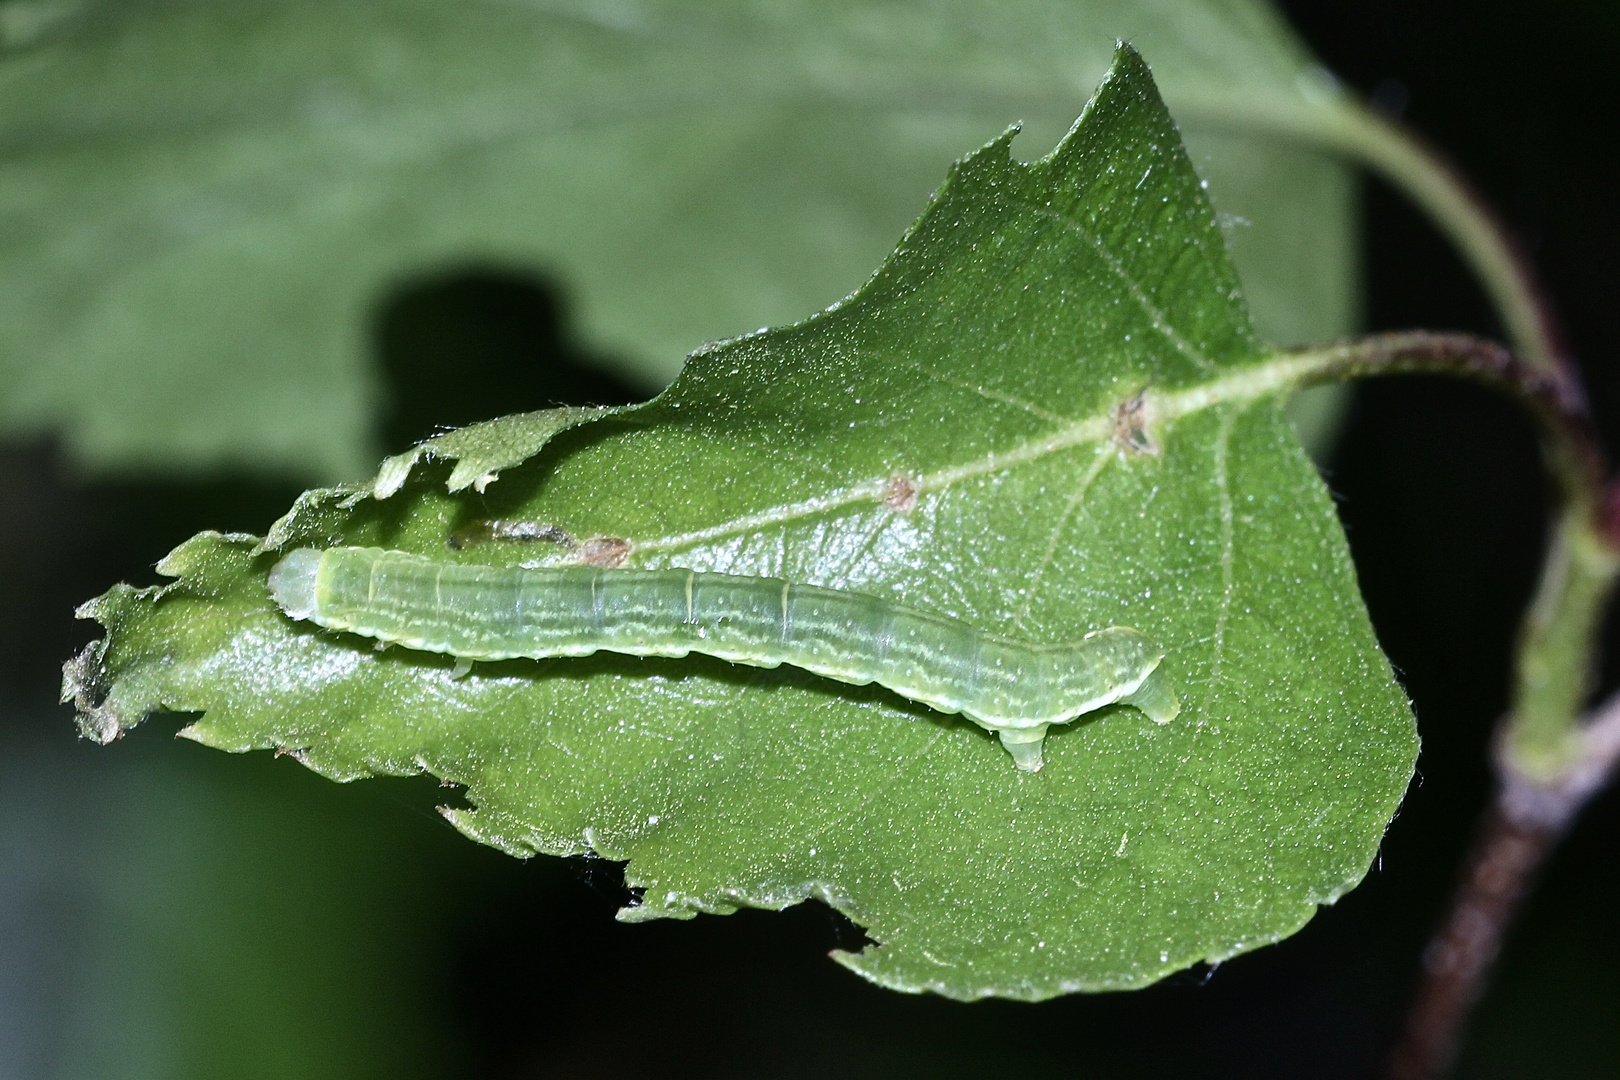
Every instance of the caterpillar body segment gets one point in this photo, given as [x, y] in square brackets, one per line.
[1010, 687]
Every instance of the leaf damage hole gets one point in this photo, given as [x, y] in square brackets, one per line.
[605, 878]
[901, 494]
[1199, 973]
[453, 799]
[1131, 426]
[847, 934]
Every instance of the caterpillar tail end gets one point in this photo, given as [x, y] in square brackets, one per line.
[1156, 697]
[1024, 744]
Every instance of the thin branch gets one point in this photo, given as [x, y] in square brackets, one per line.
[1557, 404]
[1340, 122]
[1554, 660]
[1548, 763]
[1457, 963]
[1417, 168]
[1527, 820]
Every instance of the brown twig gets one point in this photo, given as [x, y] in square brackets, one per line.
[1554, 399]
[1548, 764]
[1527, 819]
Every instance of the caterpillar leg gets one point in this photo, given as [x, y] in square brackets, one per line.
[1024, 744]
[1156, 697]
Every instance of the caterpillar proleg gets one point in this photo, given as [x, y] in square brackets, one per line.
[1013, 688]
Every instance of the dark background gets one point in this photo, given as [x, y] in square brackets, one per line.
[522, 967]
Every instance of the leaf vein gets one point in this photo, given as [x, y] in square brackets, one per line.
[1155, 314]
[997, 396]
[1223, 488]
[1099, 462]
[1275, 375]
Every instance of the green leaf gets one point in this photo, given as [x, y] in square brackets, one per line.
[201, 202]
[481, 451]
[1047, 413]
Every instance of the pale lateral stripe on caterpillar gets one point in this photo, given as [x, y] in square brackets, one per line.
[1010, 687]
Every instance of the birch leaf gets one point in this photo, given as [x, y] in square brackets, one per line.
[1045, 414]
[203, 202]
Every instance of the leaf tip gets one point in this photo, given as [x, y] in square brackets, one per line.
[471, 473]
[393, 473]
[194, 554]
[1127, 58]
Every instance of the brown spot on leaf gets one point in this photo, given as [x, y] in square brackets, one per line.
[1131, 426]
[901, 494]
[608, 552]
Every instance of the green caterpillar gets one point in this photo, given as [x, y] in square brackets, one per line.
[1010, 687]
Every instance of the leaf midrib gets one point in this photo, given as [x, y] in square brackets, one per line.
[1278, 374]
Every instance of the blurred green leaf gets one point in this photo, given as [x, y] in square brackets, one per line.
[1058, 366]
[172, 916]
[202, 201]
